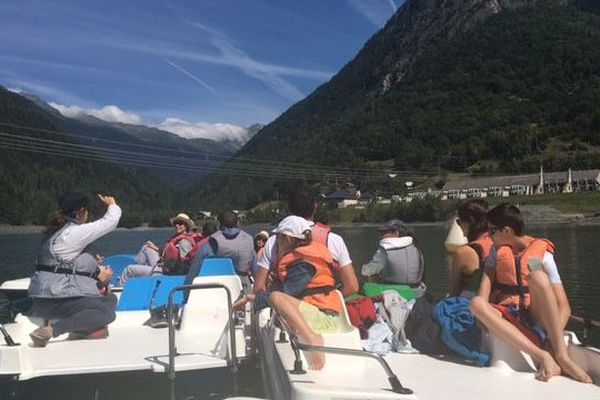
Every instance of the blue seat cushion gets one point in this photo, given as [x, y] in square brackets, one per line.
[217, 267]
[118, 262]
[146, 293]
[149, 292]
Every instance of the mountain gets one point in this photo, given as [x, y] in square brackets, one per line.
[482, 86]
[36, 167]
[140, 144]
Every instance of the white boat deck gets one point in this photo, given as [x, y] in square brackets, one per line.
[202, 342]
[511, 376]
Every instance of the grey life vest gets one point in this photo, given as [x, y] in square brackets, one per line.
[239, 248]
[404, 262]
[46, 284]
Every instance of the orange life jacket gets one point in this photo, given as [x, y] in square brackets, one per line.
[483, 247]
[320, 292]
[173, 263]
[510, 285]
[320, 233]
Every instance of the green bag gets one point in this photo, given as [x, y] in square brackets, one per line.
[375, 289]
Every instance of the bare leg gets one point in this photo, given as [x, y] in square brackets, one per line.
[287, 306]
[504, 330]
[544, 309]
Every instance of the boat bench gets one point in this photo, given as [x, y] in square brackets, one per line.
[149, 292]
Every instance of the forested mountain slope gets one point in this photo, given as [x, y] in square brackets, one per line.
[493, 86]
[31, 180]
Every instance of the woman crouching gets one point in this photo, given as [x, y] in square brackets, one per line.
[65, 286]
[306, 297]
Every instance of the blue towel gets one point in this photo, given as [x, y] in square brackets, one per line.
[459, 329]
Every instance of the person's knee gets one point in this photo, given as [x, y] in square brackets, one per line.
[276, 298]
[539, 279]
[478, 305]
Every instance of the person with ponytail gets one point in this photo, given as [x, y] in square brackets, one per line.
[468, 260]
[65, 285]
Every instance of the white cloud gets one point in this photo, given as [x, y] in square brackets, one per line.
[107, 113]
[205, 130]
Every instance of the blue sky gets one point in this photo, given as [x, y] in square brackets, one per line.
[196, 67]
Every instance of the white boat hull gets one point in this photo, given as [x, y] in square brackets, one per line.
[511, 375]
[202, 342]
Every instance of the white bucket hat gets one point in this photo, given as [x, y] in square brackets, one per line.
[183, 217]
[294, 226]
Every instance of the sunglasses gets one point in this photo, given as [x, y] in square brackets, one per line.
[179, 223]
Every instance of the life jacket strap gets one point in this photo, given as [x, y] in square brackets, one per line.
[510, 289]
[67, 271]
[316, 290]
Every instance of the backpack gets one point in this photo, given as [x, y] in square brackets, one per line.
[173, 261]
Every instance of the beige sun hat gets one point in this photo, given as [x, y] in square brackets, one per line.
[263, 234]
[183, 217]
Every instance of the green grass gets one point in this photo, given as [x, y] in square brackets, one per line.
[566, 203]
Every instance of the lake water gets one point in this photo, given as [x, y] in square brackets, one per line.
[576, 257]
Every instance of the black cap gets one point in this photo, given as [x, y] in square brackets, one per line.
[70, 203]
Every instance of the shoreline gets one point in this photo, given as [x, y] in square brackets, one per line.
[566, 220]
[38, 229]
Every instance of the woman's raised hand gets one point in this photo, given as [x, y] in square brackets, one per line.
[107, 200]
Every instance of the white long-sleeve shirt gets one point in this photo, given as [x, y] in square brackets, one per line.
[77, 237]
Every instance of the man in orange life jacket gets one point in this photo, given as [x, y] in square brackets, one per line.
[521, 285]
[306, 297]
[301, 202]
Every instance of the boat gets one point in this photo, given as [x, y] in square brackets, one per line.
[352, 373]
[204, 336]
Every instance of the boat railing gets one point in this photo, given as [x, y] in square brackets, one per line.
[171, 319]
[297, 346]
[588, 324]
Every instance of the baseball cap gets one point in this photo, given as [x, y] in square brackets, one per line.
[294, 226]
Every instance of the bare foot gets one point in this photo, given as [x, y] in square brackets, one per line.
[573, 370]
[547, 369]
[316, 361]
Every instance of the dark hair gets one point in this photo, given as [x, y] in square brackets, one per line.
[301, 202]
[69, 204]
[209, 228]
[228, 219]
[507, 214]
[474, 212]
[56, 221]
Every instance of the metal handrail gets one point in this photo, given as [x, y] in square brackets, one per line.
[7, 338]
[170, 319]
[296, 345]
[588, 325]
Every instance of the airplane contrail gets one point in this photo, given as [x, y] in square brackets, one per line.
[191, 76]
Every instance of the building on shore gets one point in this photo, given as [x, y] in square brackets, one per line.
[486, 186]
[527, 184]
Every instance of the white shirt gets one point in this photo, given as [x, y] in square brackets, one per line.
[77, 237]
[335, 244]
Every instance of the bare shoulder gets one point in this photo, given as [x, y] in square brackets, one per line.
[465, 254]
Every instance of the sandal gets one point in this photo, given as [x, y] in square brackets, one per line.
[40, 337]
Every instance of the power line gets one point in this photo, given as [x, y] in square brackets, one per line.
[294, 166]
[206, 166]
